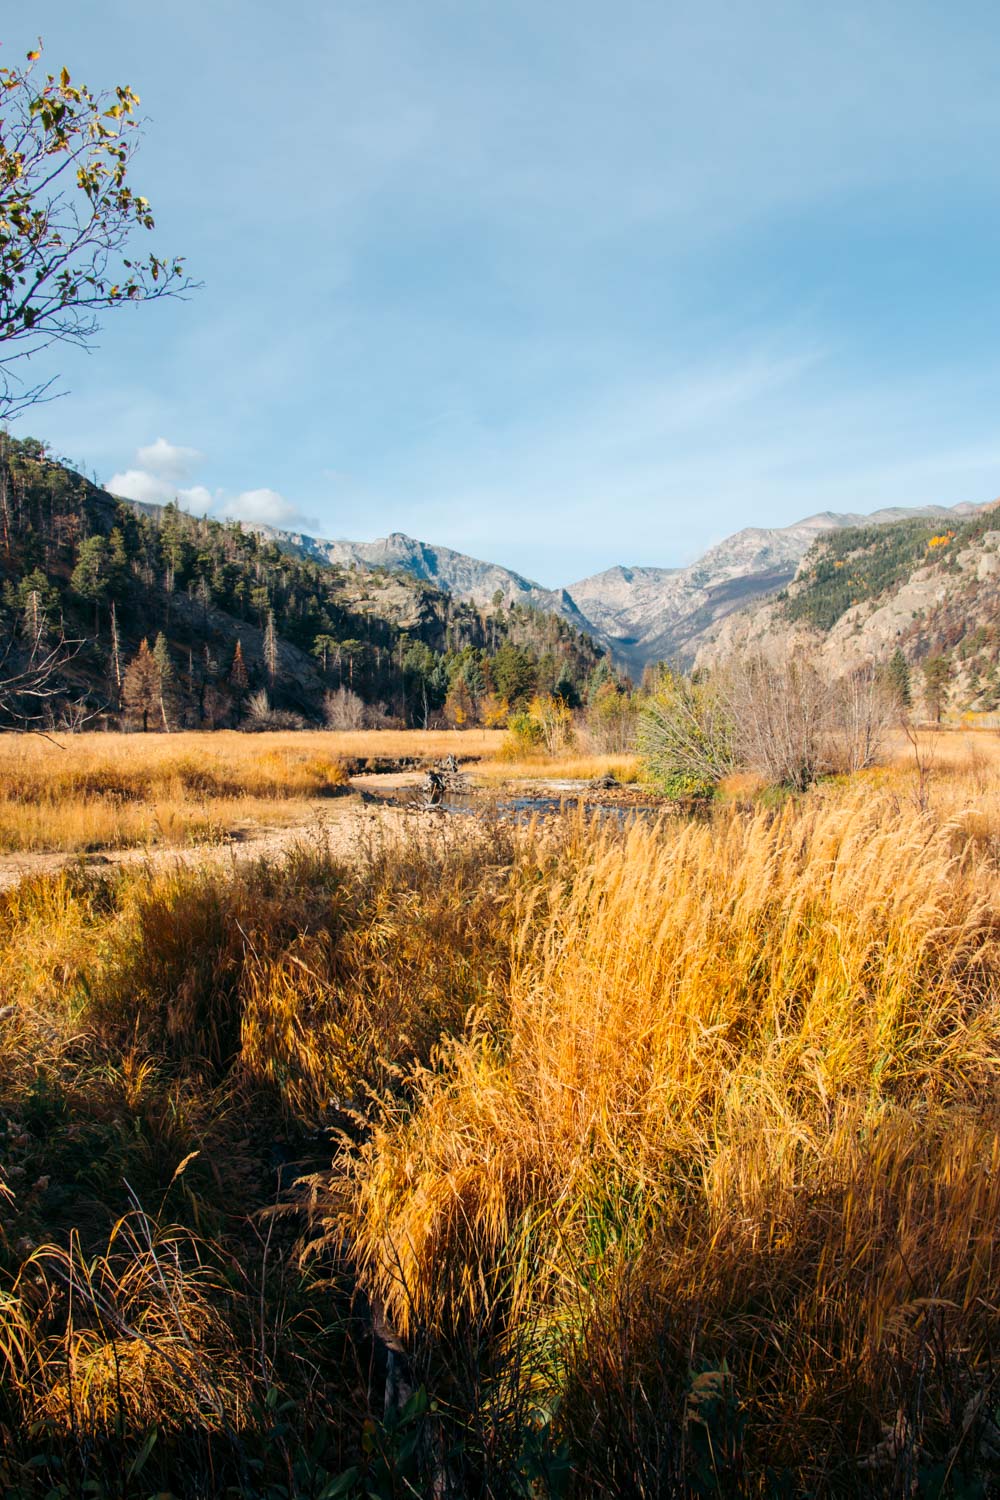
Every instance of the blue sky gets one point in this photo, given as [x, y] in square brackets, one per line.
[559, 285]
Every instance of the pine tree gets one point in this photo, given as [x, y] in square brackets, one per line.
[169, 695]
[118, 564]
[899, 679]
[239, 679]
[141, 687]
[271, 648]
[91, 575]
[937, 675]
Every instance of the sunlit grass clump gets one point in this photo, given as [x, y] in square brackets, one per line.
[168, 1035]
[741, 1123]
[570, 765]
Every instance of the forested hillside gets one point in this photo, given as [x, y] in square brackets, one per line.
[157, 619]
[925, 593]
[848, 567]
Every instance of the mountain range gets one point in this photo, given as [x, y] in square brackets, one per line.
[642, 614]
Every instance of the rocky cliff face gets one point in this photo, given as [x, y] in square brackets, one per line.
[945, 602]
[467, 578]
[655, 614]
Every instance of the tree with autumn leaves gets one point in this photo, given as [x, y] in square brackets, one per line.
[67, 215]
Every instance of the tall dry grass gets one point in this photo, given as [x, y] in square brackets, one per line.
[109, 791]
[666, 1158]
[569, 765]
[115, 791]
[170, 1041]
[950, 751]
[730, 1165]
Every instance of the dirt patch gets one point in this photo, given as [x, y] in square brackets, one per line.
[339, 824]
[388, 781]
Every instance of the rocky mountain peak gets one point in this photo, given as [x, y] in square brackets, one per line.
[642, 613]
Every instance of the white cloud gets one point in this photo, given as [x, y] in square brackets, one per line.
[266, 507]
[137, 484]
[198, 500]
[152, 489]
[169, 460]
[155, 480]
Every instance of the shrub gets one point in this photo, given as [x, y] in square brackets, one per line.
[546, 724]
[261, 716]
[787, 721]
[343, 709]
[686, 731]
[612, 720]
[524, 736]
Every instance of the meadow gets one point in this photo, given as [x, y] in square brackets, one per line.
[578, 1158]
[115, 791]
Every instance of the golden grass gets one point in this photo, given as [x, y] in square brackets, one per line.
[116, 791]
[749, 1067]
[145, 1340]
[95, 791]
[160, 1028]
[568, 766]
[671, 1152]
[419, 744]
[947, 750]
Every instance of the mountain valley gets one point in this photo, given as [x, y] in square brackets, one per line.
[641, 614]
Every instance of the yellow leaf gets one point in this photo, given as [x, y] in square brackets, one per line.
[34, 56]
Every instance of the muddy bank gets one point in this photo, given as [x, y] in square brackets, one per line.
[468, 795]
[388, 765]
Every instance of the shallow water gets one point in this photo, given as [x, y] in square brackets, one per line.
[523, 808]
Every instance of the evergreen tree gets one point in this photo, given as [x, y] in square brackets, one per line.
[937, 675]
[602, 674]
[35, 600]
[141, 687]
[514, 674]
[91, 575]
[565, 688]
[323, 646]
[239, 679]
[117, 566]
[899, 679]
[169, 691]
